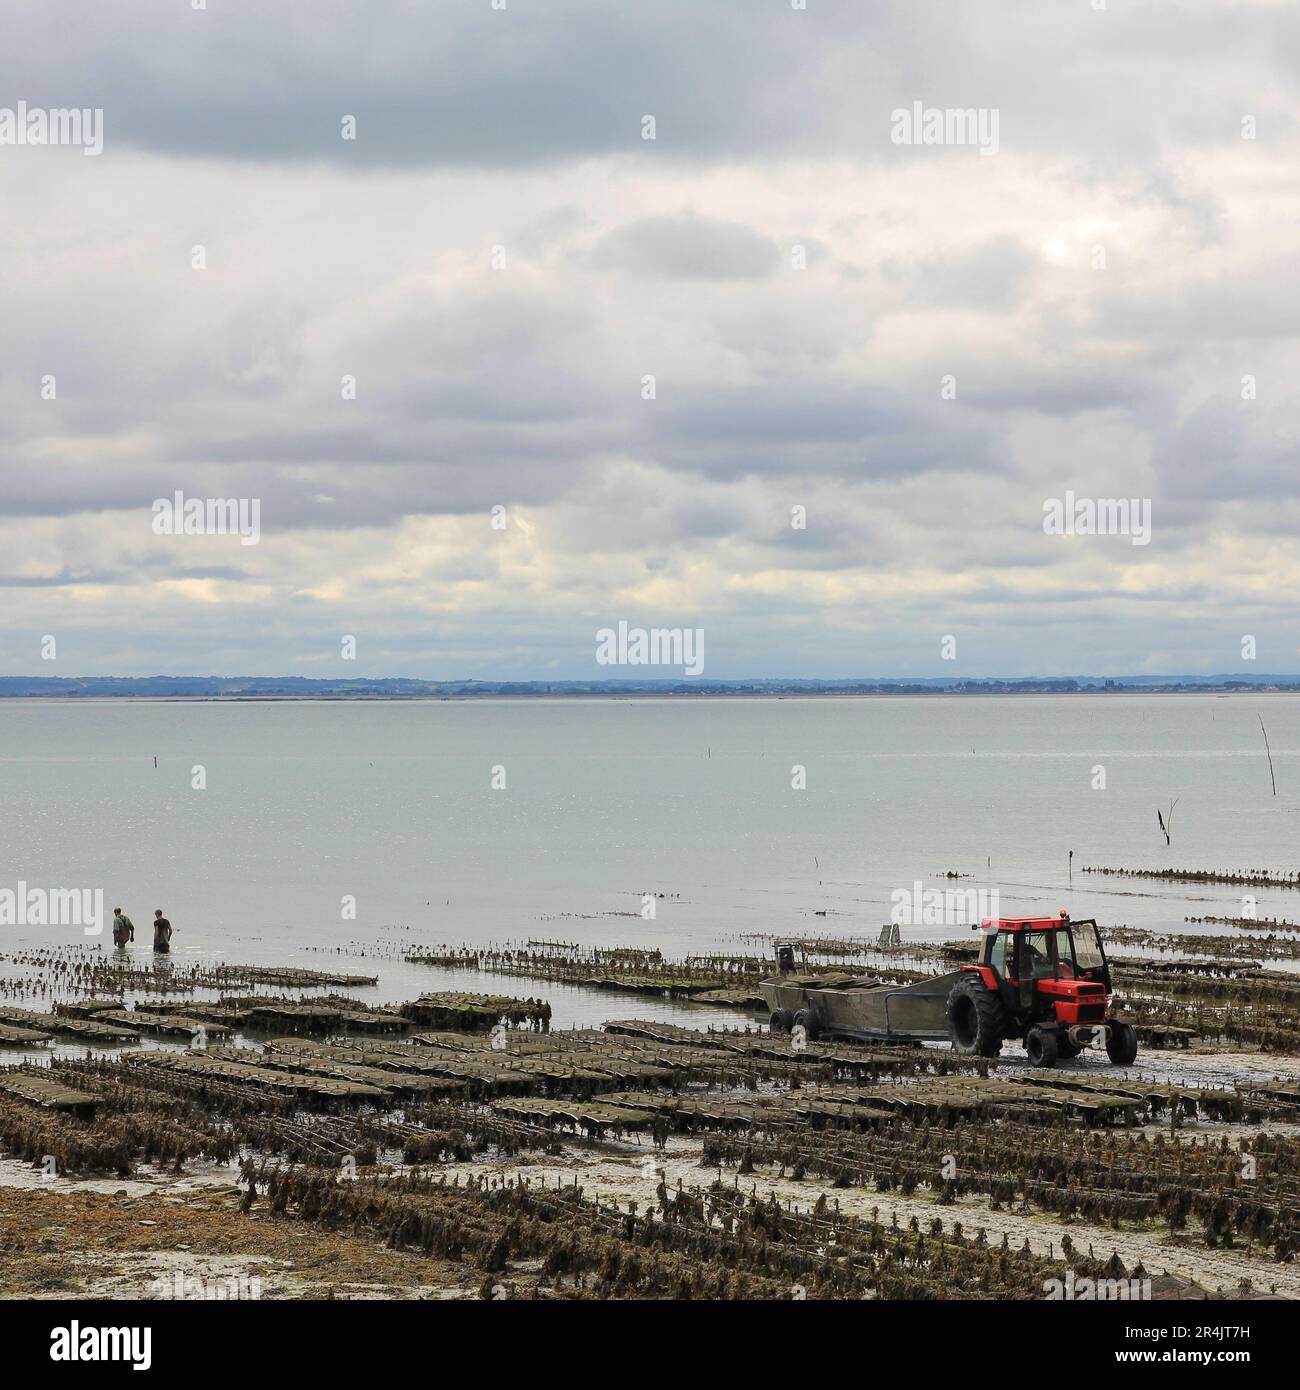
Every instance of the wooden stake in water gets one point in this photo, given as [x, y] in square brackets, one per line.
[1269, 751]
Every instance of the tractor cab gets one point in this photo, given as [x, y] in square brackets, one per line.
[1024, 949]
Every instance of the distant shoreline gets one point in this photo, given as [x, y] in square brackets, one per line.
[232, 689]
[380, 698]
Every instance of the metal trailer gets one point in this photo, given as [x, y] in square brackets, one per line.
[852, 1008]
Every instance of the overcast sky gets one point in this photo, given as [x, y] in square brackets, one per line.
[501, 259]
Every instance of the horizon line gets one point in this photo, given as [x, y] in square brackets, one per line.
[675, 681]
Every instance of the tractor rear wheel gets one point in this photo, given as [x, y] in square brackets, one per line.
[976, 1019]
[804, 1019]
[1122, 1044]
[1042, 1046]
[782, 1021]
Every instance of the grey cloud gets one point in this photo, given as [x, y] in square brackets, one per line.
[60, 580]
[689, 247]
[809, 426]
[994, 276]
[462, 85]
[429, 85]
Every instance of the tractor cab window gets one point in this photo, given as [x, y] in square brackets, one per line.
[1088, 956]
[1039, 948]
[1002, 955]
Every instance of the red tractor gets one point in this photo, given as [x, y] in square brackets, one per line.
[1044, 979]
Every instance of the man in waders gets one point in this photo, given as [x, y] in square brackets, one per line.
[162, 933]
[123, 928]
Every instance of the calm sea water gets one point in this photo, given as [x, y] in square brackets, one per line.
[392, 805]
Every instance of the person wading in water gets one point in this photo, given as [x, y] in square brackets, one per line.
[123, 928]
[162, 932]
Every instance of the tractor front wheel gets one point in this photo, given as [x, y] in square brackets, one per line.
[1042, 1046]
[782, 1021]
[976, 1019]
[1122, 1044]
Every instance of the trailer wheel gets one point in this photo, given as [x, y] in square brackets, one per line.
[804, 1019]
[976, 1019]
[1122, 1044]
[1042, 1047]
[782, 1021]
